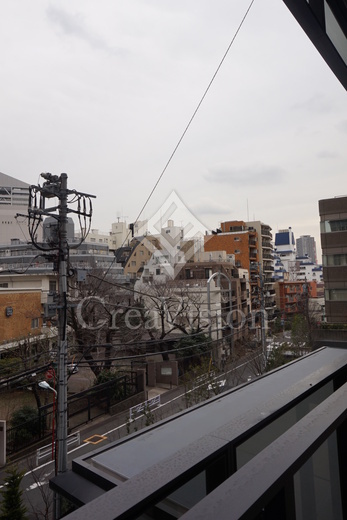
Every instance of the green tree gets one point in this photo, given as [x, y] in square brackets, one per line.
[300, 332]
[191, 349]
[118, 390]
[12, 507]
[26, 422]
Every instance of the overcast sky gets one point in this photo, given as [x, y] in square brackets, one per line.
[103, 91]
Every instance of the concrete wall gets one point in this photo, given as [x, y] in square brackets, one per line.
[330, 337]
[162, 373]
[128, 403]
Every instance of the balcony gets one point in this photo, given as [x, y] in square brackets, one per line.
[266, 233]
[233, 462]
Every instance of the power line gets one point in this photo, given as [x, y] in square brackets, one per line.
[170, 351]
[190, 120]
[196, 109]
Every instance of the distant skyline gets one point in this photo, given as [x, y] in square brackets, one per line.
[103, 91]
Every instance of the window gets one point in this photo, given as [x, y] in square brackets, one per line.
[188, 274]
[35, 323]
[336, 295]
[52, 286]
[4, 284]
[237, 251]
[133, 263]
[329, 226]
[157, 271]
[333, 260]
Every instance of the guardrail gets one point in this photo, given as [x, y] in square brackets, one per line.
[45, 451]
[141, 407]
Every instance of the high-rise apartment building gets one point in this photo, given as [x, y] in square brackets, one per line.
[333, 222]
[306, 246]
[251, 243]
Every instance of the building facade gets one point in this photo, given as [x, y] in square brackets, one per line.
[292, 297]
[333, 223]
[306, 246]
[251, 244]
[264, 271]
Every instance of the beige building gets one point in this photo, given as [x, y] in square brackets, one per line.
[141, 252]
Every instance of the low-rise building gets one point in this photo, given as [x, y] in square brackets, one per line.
[292, 297]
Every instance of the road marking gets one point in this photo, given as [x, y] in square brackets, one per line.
[95, 439]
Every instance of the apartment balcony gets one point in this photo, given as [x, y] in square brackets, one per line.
[289, 461]
[266, 233]
[290, 290]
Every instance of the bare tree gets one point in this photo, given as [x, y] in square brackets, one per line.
[168, 308]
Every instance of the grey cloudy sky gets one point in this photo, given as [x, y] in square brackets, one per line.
[103, 91]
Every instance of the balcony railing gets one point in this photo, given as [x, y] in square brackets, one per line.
[278, 473]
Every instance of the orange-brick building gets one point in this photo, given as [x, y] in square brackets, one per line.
[236, 238]
[292, 295]
[21, 314]
[251, 244]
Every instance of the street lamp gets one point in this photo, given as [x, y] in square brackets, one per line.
[46, 386]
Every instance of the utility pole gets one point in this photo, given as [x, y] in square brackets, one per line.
[62, 329]
[56, 248]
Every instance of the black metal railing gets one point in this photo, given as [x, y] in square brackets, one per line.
[82, 408]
